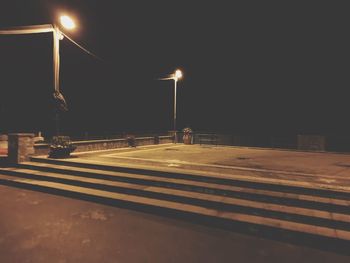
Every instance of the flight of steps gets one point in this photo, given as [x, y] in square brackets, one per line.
[307, 215]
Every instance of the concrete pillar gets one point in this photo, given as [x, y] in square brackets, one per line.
[20, 147]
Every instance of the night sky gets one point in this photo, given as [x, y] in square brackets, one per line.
[249, 67]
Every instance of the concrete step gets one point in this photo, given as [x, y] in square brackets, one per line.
[197, 211]
[258, 182]
[321, 199]
[222, 203]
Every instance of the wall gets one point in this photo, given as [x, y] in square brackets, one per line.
[96, 145]
[311, 143]
[299, 142]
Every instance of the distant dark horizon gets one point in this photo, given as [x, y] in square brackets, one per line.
[253, 68]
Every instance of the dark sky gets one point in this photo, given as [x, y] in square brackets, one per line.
[249, 66]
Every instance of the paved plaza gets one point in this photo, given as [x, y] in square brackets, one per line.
[40, 226]
[321, 168]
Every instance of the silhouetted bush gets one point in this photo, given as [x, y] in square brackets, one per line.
[61, 147]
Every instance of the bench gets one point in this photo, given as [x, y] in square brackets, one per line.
[207, 139]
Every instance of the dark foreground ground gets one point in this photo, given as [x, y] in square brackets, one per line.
[38, 227]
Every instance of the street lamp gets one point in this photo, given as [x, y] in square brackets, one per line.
[58, 35]
[67, 22]
[175, 76]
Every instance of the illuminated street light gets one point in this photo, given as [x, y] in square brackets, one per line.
[67, 22]
[176, 76]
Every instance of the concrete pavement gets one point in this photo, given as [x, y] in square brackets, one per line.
[329, 170]
[38, 227]
[318, 171]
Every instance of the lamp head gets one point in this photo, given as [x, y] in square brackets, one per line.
[178, 74]
[67, 22]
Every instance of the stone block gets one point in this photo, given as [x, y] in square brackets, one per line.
[20, 147]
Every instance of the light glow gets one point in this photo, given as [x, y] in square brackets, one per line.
[67, 22]
[178, 74]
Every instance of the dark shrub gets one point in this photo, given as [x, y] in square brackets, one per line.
[61, 147]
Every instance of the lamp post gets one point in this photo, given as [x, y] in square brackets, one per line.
[175, 76]
[67, 23]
